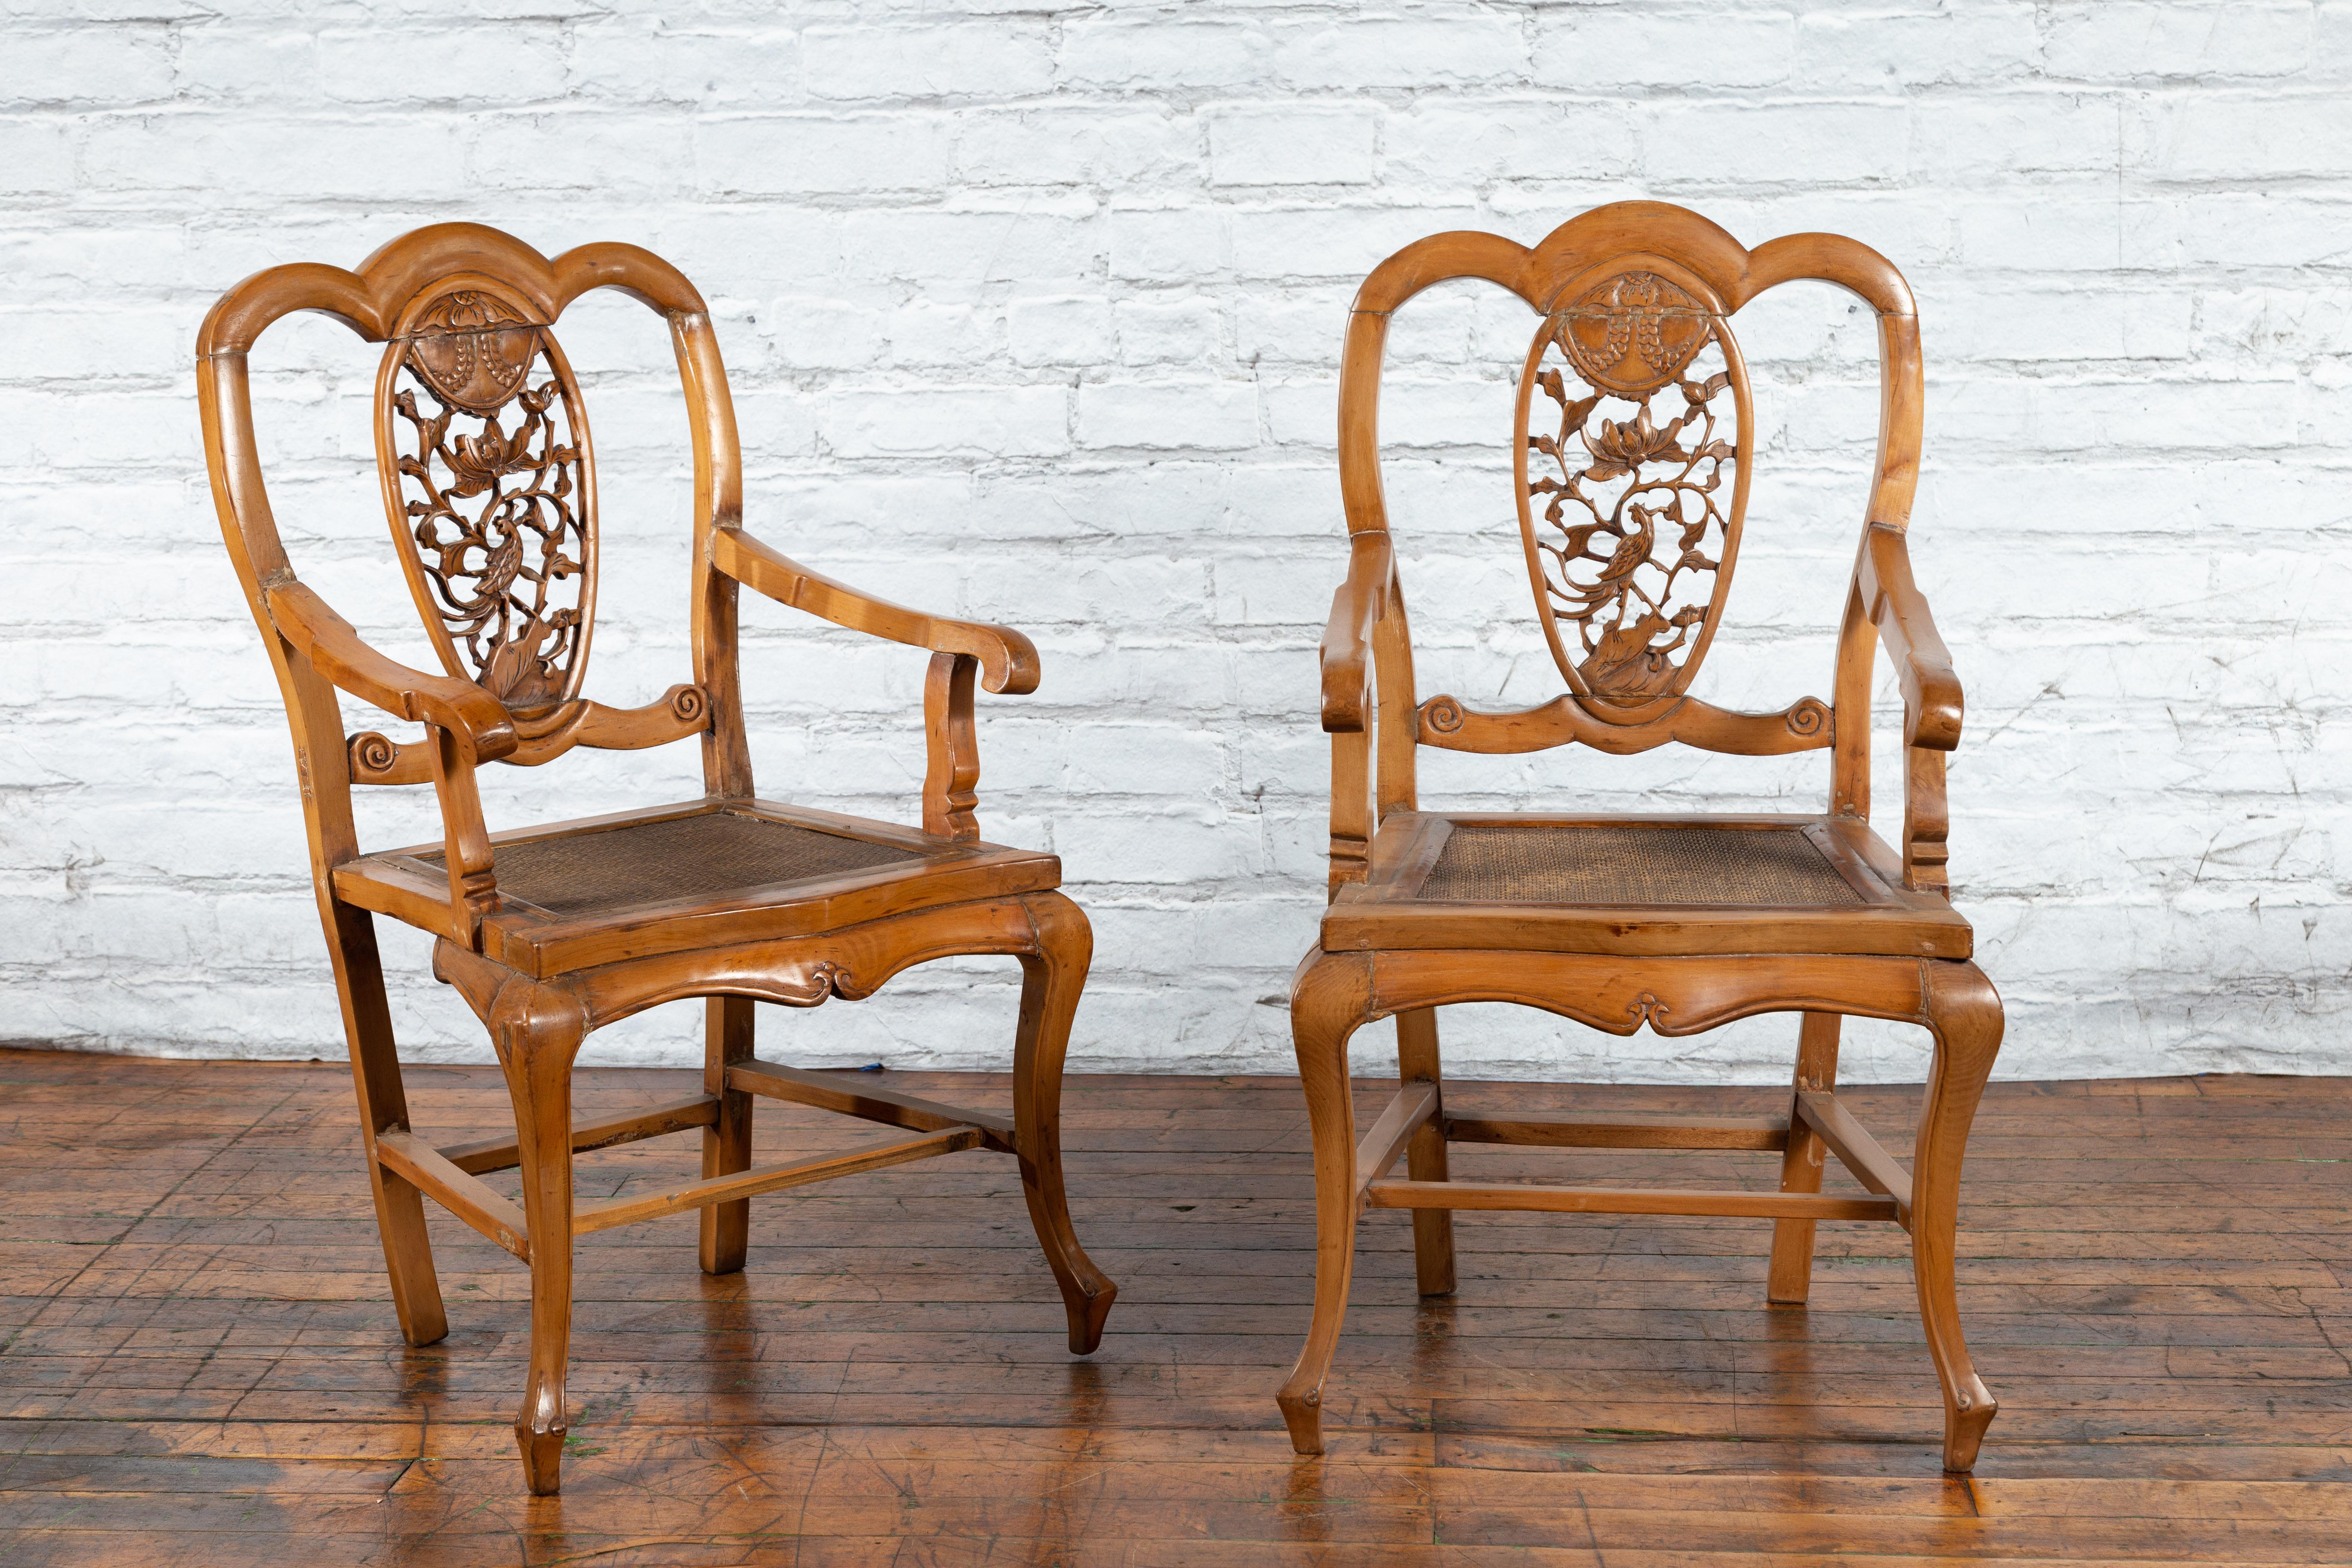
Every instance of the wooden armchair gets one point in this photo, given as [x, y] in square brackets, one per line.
[1633, 445]
[549, 932]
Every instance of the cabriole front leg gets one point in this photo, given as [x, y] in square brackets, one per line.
[1051, 981]
[538, 1033]
[1327, 1002]
[1963, 1011]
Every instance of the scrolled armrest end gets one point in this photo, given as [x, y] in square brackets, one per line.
[1010, 667]
[1344, 701]
[1932, 719]
[479, 720]
[465, 709]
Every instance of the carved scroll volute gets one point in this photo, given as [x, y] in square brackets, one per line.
[1630, 473]
[490, 487]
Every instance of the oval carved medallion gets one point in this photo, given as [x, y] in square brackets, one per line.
[1637, 459]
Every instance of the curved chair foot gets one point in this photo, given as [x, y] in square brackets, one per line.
[543, 1458]
[1051, 982]
[1964, 1014]
[1087, 1317]
[1303, 1413]
[1965, 1422]
[1328, 1001]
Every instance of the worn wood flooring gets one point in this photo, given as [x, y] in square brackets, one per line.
[199, 1364]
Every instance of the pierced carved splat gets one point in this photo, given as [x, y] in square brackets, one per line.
[494, 495]
[1638, 459]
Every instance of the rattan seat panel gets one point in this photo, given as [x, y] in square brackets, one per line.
[715, 855]
[1634, 864]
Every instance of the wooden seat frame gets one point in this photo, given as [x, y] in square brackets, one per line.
[541, 983]
[1679, 970]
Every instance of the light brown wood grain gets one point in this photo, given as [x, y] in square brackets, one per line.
[604, 1132]
[868, 1101]
[542, 737]
[1789, 1282]
[729, 1037]
[1857, 1151]
[1008, 661]
[951, 772]
[771, 1178]
[1385, 1143]
[1599, 1129]
[1445, 723]
[456, 1189]
[1462, 1195]
[1417, 1062]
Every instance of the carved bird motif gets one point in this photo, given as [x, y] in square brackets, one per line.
[1633, 549]
[1623, 664]
[516, 674]
[500, 567]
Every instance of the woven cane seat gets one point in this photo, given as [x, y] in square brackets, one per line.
[574, 895]
[716, 854]
[1628, 865]
[1650, 886]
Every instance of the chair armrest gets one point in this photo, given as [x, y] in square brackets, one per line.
[473, 727]
[1931, 690]
[477, 720]
[1359, 605]
[1008, 661]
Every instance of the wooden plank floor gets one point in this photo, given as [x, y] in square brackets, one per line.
[199, 1364]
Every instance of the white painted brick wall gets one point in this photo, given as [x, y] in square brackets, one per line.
[1034, 315]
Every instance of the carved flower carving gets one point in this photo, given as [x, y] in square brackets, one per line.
[478, 460]
[1620, 447]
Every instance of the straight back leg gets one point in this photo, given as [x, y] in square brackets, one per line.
[384, 1106]
[728, 1037]
[1424, 1157]
[1051, 981]
[1790, 1279]
[1964, 1012]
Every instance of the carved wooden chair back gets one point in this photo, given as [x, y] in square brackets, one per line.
[488, 475]
[1632, 448]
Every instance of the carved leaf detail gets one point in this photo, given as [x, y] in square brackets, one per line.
[1636, 495]
[494, 508]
